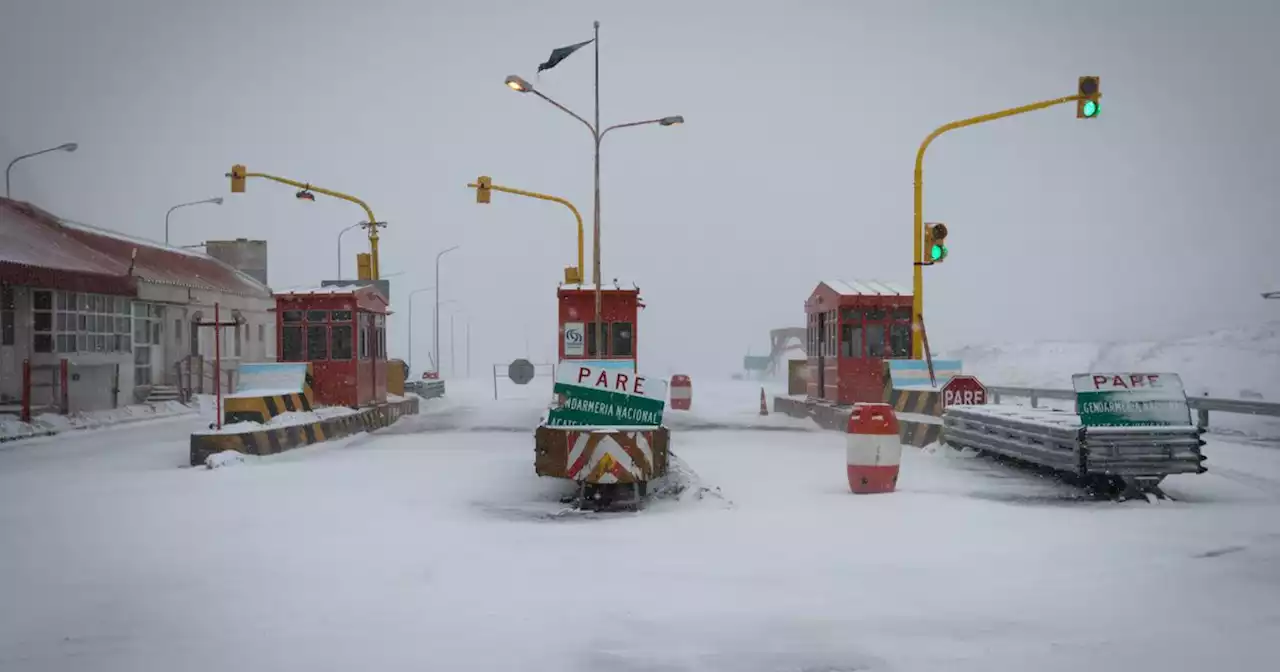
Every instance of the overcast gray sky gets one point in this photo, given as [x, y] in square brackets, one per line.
[1158, 218]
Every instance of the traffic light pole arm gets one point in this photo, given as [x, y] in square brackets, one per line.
[373, 222]
[917, 230]
[546, 197]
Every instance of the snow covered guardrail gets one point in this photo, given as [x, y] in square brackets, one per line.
[1058, 440]
[1201, 405]
[427, 389]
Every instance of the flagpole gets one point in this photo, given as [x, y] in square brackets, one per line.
[595, 235]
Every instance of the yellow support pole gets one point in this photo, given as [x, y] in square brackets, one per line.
[373, 222]
[546, 197]
[918, 262]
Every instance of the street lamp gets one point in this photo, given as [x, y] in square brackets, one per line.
[353, 226]
[411, 295]
[435, 345]
[453, 341]
[216, 200]
[65, 147]
[519, 85]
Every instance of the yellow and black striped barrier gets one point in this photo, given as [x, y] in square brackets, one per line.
[279, 439]
[262, 408]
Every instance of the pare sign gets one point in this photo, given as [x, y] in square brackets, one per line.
[622, 381]
[1126, 382]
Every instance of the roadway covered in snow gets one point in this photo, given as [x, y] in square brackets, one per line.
[431, 545]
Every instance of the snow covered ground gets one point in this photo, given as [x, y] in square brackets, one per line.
[432, 546]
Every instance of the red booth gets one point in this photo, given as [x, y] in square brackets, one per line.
[853, 326]
[341, 330]
[619, 308]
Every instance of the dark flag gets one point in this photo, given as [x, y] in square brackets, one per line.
[560, 54]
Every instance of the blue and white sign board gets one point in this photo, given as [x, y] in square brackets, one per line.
[270, 378]
[914, 373]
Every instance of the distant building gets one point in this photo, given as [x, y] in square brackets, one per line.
[122, 311]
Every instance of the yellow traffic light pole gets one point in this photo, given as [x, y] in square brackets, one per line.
[238, 175]
[917, 231]
[533, 194]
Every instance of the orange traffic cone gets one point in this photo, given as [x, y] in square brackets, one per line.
[764, 406]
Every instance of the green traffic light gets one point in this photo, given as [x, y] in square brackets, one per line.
[937, 252]
[1090, 108]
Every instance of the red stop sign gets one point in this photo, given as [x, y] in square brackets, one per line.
[963, 390]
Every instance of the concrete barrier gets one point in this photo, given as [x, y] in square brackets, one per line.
[272, 440]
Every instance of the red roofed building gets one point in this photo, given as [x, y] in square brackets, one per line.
[119, 309]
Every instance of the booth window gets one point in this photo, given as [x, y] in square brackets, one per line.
[621, 339]
[341, 337]
[292, 316]
[291, 343]
[341, 316]
[364, 335]
[851, 340]
[317, 343]
[317, 316]
[591, 338]
[875, 339]
[900, 340]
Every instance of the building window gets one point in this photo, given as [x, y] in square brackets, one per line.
[900, 340]
[621, 345]
[591, 339]
[851, 340]
[87, 322]
[42, 321]
[365, 334]
[291, 343]
[317, 343]
[241, 331]
[875, 339]
[262, 333]
[177, 330]
[340, 342]
[147, 320]
[317, 316]
[341, 316]
[8, 313]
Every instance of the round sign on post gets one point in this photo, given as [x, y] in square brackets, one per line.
[520, 371]
[963, 390]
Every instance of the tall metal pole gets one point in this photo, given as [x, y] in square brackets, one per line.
[436, 341]
[411, 295]
[453, 341]
[66, 147]
[595, 225]
[468, 349]
[217, 200]
[917, 225]
[340, 234]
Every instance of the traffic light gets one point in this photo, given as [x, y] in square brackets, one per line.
[364, 266]
[935, 243]
[1087, 105]
[237, 179]
[483, 185]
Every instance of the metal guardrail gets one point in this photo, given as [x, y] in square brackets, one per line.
[1201, 405]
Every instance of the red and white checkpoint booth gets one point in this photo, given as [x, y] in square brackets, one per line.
[873, 451]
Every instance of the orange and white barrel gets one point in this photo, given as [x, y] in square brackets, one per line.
[873, 452]
[681, 392]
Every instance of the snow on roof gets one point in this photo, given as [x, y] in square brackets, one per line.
[321, 291]
[606, 287]
[54, 251]
[867, 287]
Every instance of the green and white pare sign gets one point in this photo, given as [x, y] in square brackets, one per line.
[591, 395]
[1131, 400]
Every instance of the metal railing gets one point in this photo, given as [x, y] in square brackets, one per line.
[1201, 405]
[427, 389]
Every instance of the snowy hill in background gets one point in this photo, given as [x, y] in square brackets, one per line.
[1236, 363]
[1232, 363]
